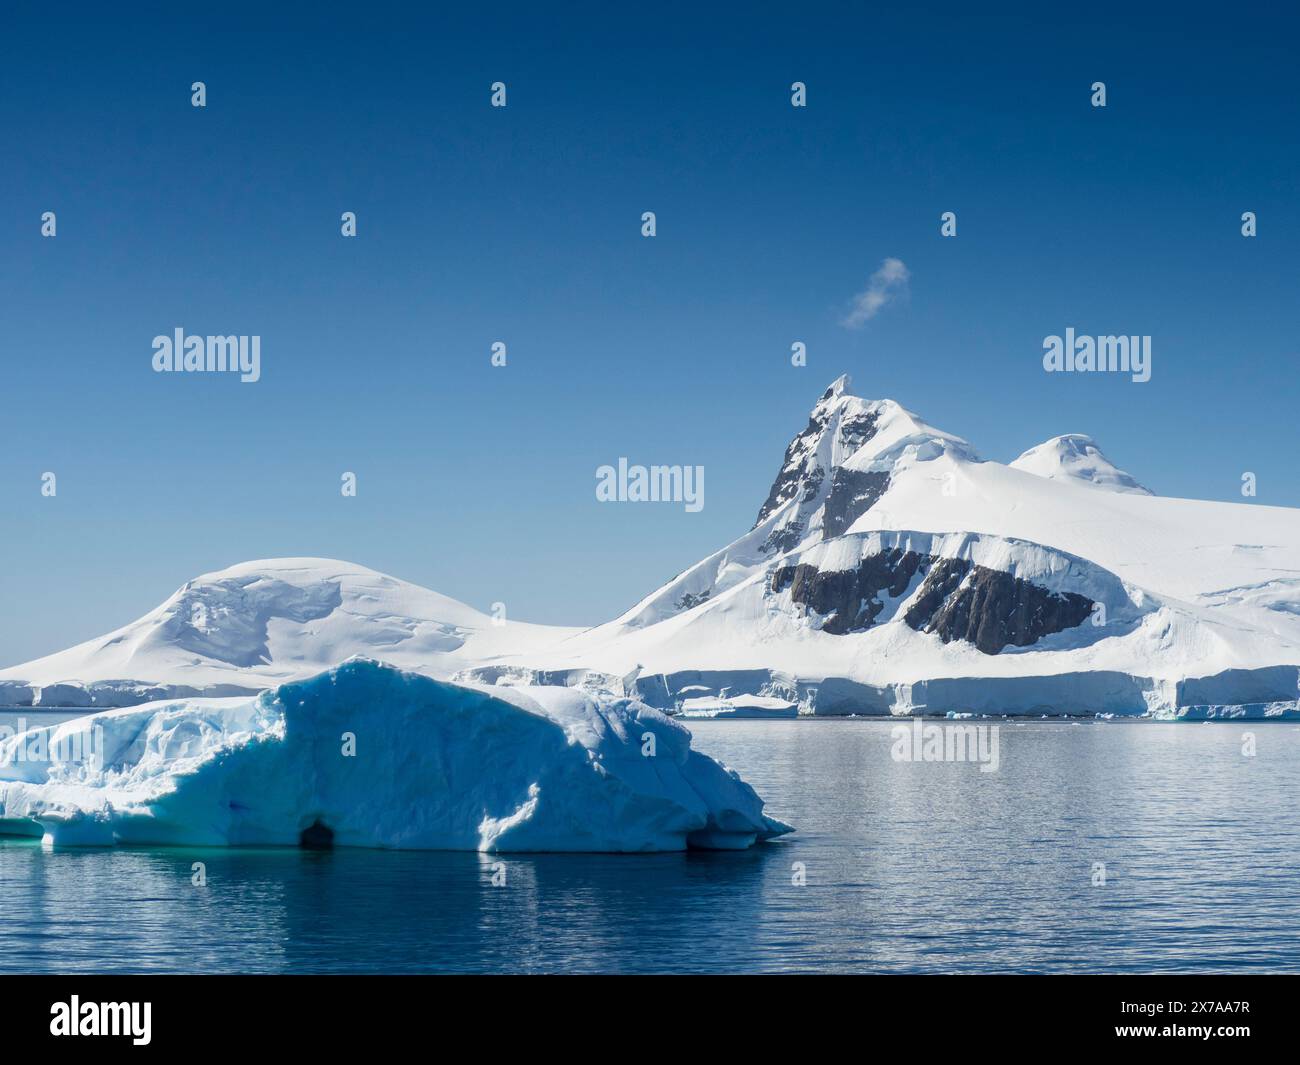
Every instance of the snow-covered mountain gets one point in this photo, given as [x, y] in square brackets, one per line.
[1077, 456]
[890, 569]
[258, 624]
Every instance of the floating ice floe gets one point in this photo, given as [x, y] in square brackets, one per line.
[367, 755]
[751, 706]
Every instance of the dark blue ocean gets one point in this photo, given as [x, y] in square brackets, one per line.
[908, 867]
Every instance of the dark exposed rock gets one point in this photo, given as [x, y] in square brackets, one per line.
[803, 474]
[856, 431]
[849, 599]
[993, 609]
[942, 579]
[786, 485]
[812, 484]
[690, 599]
[958, 600]
[785, 538]
[853, 493]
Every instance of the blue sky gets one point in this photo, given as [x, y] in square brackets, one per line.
[522, 224]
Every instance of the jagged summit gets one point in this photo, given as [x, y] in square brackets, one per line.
[841, 386]
[1077, 457]
[841, 463]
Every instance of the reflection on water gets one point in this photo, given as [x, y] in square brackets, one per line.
[910, 867]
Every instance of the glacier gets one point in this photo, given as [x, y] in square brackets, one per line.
[368, 755]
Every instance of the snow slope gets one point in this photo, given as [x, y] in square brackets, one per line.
[567, 772]
[257, 624]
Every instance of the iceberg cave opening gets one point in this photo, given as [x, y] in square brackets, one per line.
[317, 836]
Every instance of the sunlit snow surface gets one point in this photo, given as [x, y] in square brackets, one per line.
[1194, 605]
[384, 758]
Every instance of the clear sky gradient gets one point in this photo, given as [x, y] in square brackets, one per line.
[522, 225]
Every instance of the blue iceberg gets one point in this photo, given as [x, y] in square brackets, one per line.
[366, 755]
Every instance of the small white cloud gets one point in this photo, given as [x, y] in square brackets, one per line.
[886, 284]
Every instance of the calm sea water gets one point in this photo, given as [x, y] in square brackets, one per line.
[909, 867]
